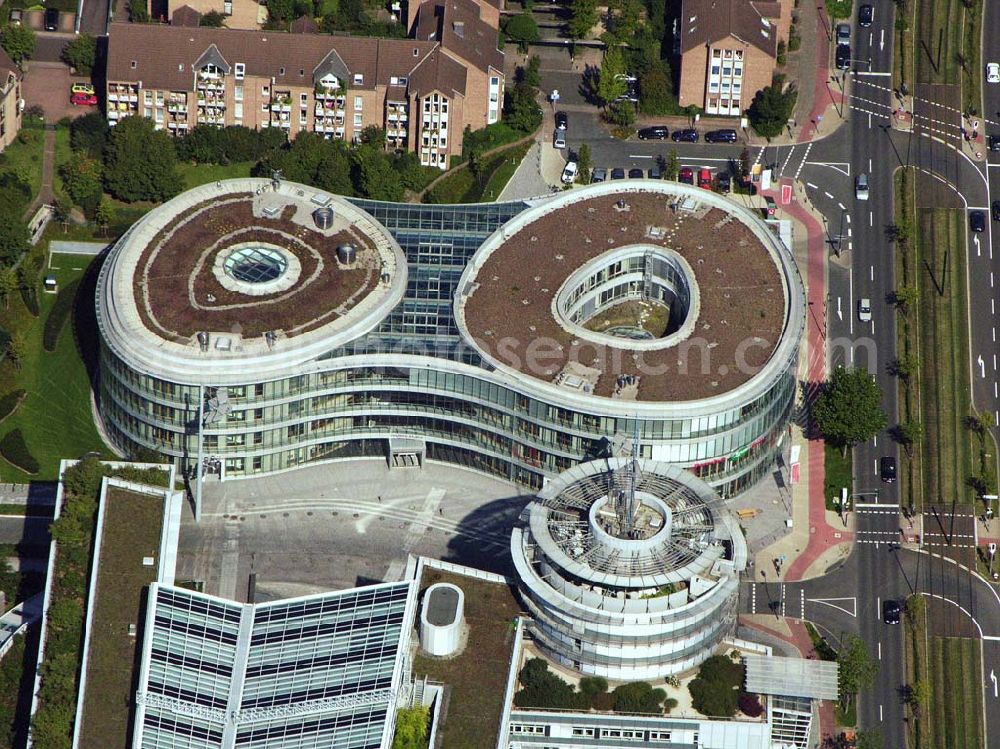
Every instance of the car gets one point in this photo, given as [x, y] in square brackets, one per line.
[887, 468]
[993, 142]
[977, 221]
[992, 72]
[866, 14]
[843, 33]
[686, 175]
[687, 135]
[861, 187]
[51, 19]
[726, 135]
[82, 88]
[654, 172]
[635, 173]
[865, 310]
[655, 132]
[83, 100]
[891, 611]
[995, 210]
[600, 174]
[617, 173]
[569, 173]
[560, 139]
[723, 183]
[561, 120]
[843, 57]
[705, 179]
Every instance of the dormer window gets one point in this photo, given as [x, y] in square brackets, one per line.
[239, 70]
[211, 71]
[359, 79]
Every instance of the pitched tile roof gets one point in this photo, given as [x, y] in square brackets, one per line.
[164, 56]
[457, 25]
[438, 73]
[704, 22]
[7, 66]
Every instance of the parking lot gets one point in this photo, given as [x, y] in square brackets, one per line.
[47, 85]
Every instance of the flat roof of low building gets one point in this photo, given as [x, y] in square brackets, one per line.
[792, 677]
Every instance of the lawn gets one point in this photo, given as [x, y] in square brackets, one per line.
[938, 41]
[462, 186]
[200, 174]
[972, 79]
[55, 417]
[63, 153]
[902, 59]
[24, 155]
[839, 475]
[478, 676]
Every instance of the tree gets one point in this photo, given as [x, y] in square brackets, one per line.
[140, 162]
[137, 11]
[920, 696]
[848, 409]
[17, 349]
[13, 238]
[583, 164]
[638, 697]
[611, 80]
[624, 17]
[656, 90]
[18, 42]
[715, 691]
[213, 19]
[980, 422]
[857, 669]
[622, 113]
[870, 739]
[80, 53]
[915, 608]
[373, 135]
[81, 177]
[374, 176]
[905, 298]
[90, 133]
[770, 109]
[105, 214]
[411, 728]
[62, 209]
[280, 10]
[9, 284]
[583, 18]
[522, 111]
[672, 165]
[905, 367]
[521, 29]
[531, 74]
[908, 434]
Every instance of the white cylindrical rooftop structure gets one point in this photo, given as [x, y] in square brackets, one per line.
[441, 619]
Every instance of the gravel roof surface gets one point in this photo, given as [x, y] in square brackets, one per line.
[743, 305]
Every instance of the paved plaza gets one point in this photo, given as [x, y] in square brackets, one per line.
[342, 524]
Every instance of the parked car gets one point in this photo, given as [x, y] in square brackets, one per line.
[843, 33]
[866, 14]
[561, 120]
[977, 221]
[617, 173]
[705, 179]
[635, 173]
[656, 132]
[82, 88]
[83, 100]
[992, 72]
[51, 19]
[887, 468]
[687, 135]
[600, 174]
[995, 210]
[861, 187]
[865, 310]
[843, 57]
[993, 142]
[686, 175]
[560, 139]
[569, 173]
[654, 173]
[726, 135]
[891, 611]
[723, 183]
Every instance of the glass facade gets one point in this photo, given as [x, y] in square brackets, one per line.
[309, 672]
[413, 376]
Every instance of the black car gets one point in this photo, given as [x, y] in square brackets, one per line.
[843, 57]
[993, 142]
[687, 135]
[51, 19]
[724, 182]
[977, 221]
[656, 132]
[635, 173]
[995, 210]
[617, 173]
[887, 469]
[727, 135]
[866, 14]
[654, 173]
[891, 611]
[561, 120]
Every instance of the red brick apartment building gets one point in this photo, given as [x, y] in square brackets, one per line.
[424, 91]
[11, 104]
[729, 50]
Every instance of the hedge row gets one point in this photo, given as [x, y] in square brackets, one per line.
[15, 450]
[58, 315]
[10, 402]
[73, 532]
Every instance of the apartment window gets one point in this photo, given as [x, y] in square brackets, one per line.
[726, 70]
[265, 90]
[281, 70]
[302, 72]
[238, 92]
[738, 71]
[134, 64]
[147, 97]
[256, 462]
[238, 110]
[263, 107]
[239, 69]
[444, 107]
[359, 79]
[304, 98]
[358, 102]
[303, 118]
[715, 70]
[147, 112]
[357, 120]
[495, 81]
[227, 7]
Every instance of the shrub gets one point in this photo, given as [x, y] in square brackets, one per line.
[89, 133]
[593, 685]
[211, 145]
[749, 705]
[603, 702]
[15, 451]
[542, 688]
[715, 691]
[638, 697]
[58, 315]
[10, 402]
[80, 53]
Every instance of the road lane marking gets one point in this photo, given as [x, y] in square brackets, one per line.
[848, 218]
[833, 604]
[869, 120]
[842, 207]
[880, 650]
[828, 195]
[878, 606]
[880, 712]
[810, 184]
[871, 218]
[871, 273]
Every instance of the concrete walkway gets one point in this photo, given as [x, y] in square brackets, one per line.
[527, 181]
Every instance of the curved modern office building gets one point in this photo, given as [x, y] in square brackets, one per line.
[261, 325]
[630, 568]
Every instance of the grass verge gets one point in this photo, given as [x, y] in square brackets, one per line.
[200, 174]
[24, 156]
[464, 186]
[902, 59]
[937, 41]
[838, 470]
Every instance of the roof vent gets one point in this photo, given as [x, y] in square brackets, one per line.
[459, 28]
[203, 340]
[346, 254]
[323, 217]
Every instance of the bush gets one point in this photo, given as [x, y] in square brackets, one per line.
[749, 705]
[213, 19]
[715, 691]
[15, 451]
[80, 53]
[638, 697]
[89, 133]
[770, 109]
[488, 138]
[10, 402]
[542, 688]
[211, 145]
[58, 315]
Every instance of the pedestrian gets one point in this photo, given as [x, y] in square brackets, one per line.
[379, 497]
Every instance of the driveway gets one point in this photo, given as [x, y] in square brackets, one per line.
[46, 85]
